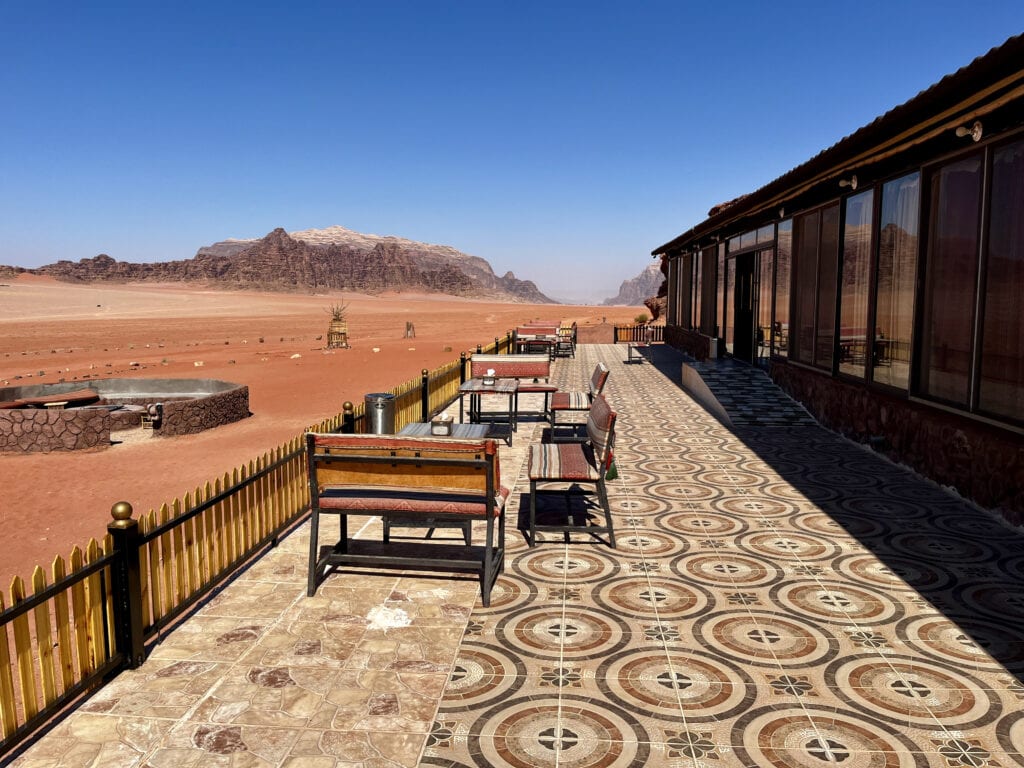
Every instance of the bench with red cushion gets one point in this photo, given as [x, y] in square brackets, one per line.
[435, 480]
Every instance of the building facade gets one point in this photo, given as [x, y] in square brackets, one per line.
[880, 282]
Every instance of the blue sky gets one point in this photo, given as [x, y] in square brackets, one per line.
[560, 140]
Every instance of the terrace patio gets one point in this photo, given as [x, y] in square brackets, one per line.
[779, 597]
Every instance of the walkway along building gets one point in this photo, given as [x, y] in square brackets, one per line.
[880, 283]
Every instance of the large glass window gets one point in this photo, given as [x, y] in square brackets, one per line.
[854, 335]
[805, 285]
[828, 273]
[950, 280]
[766, 265]
[686, 291]
[783, 266]
[897, 275]
[695, 321]
[1001, 379]
[708, 263]
[722, 312]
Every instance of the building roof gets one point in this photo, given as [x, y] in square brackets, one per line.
[983, 88]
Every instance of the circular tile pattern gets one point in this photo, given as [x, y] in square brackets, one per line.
[912, 572]
[686, 684]
[649, 544]
[788, 546]
[703, 524]
[836, 602]
[783, 491]
[531, 731]
[967, 643]
[732, 569]
[638, 502]
[666, 466]
[797, 737]
[569, 634]
[766, 639]
[651, 598]
[1011, 735]
[959, 521]
[1000, 599]
[867, 569]
[573, 564]
[510, 591]
[881, 507]
[730, 478]
[482, 675]
[936, 547]
[754, 506]
[906, 690]
[704, 457]
[683, 491]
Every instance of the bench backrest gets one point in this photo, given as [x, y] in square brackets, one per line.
[597, 380]
[393, 461]
[511, 366]
[537, 332]
[601, 430]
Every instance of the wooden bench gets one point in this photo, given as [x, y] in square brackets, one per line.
[532, 371]
[411, 478]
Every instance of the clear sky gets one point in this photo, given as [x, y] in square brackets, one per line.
[560, 140]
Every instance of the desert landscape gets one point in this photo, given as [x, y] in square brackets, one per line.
[274, 343]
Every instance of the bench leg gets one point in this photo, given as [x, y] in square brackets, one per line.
[602, 494]
[533, 514]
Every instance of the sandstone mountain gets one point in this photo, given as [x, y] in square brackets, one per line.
[332, 259]
[635, 292]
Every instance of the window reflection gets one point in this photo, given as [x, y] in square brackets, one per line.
[897, 273]
[1001, 383]
[855, 338]
[950, 277]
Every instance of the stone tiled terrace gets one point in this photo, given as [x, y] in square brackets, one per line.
[778, 597]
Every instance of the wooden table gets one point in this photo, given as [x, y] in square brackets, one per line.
[502, 423]
[461, 431]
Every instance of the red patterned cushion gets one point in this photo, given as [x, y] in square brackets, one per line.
[570, 401]
[379, 499]
[562, 461]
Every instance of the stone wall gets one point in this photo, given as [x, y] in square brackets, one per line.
[981, 462]
[41, 430]
[44, 429]
[187, 417]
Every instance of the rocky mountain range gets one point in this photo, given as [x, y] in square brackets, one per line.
[636, 291]
[331, 259]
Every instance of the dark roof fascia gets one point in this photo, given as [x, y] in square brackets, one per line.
[1005, 61]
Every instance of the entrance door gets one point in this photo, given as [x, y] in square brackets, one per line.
[745, 340]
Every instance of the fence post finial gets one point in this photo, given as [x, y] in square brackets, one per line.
[126, 584]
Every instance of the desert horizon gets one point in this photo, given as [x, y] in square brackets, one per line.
[272, 342]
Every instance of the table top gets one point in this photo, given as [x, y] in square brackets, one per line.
[470, 431]
[500, 386]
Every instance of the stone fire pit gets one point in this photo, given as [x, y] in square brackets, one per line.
[73, 416]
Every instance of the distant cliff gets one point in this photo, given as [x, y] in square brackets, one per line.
[333, 259]
[634, 292]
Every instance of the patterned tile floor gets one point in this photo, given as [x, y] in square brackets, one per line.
[778, 597]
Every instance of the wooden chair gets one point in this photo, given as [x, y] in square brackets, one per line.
[572, 401]
[573, 465]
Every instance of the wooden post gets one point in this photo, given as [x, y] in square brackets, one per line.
[462, 368]
[126, 584]
[348, 418]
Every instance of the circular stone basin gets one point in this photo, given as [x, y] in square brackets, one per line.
[73, 416]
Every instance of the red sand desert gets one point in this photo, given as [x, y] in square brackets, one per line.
[51, 331]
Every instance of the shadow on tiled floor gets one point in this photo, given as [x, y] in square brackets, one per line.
[778, 597]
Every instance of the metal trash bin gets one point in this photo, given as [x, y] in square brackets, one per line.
[379, 408]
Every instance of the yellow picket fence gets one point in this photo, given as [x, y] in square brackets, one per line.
[92, 615]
